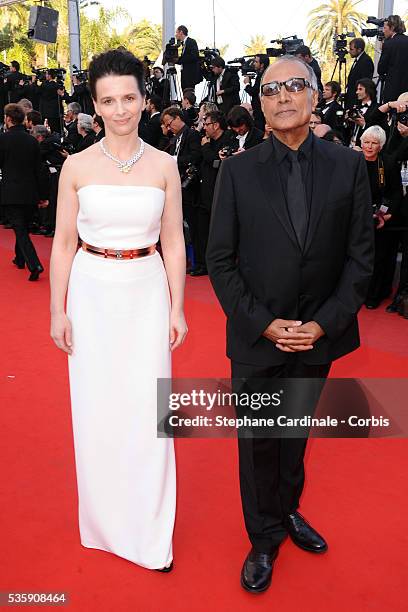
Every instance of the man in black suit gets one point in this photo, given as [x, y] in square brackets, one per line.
[361, 68]
[186, 149]
[331, 110]
[14, 84]
[50, 100]
[261, 62]
[189, 59]
[368, 113]
[242, 124]
[304, 53]
[226, 85]
[72, 137]
[24, 185]
[290, 256]
[393, 64]
[151, 131]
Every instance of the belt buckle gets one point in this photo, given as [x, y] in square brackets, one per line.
[118, 254]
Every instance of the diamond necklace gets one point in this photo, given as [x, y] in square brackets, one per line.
[124, 166]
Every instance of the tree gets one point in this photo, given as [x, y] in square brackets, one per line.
[144, 38]
[331, 18]
[257, 44]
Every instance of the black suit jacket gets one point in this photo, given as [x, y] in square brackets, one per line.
[258, 271]
[189, 59]
[330, 117]
[50, 100]
[372, 116]
[254, 137]
[393, 65]
[24, 178]
[231, 87]
[189, 153]
[254, 92]
[363, 69]
[152, 132]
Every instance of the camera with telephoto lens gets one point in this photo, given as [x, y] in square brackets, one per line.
[230, 149]
[289, 46]
[378, 31]
[190, 176]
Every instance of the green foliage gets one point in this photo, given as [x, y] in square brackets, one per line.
[257, 44]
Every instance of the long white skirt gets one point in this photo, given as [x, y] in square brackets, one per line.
[126, 476]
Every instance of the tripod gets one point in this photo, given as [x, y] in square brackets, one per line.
[209, 91]
[172, 87]
[341, 66]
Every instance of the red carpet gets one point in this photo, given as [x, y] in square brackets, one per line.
[355, 491]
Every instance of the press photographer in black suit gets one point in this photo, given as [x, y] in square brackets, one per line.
[15, 90]
[290, 257]
[361, 68]
[189, 59]
[393, 64]
[226, 85]
[261, 62]
[186, 148]
[366, 113]
[151, 131]
[50, 100]
[24, 185]
[242, 124]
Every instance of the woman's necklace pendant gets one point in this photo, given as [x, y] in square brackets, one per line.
[125, 169]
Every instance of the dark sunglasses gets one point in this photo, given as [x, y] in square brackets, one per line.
[293, 85]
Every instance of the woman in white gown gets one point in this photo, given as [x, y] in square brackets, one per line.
[124, 316]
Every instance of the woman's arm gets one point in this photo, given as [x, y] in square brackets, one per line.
[174, 254]
[64, 247]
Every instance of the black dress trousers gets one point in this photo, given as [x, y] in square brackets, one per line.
[271, 470]
[19, 217]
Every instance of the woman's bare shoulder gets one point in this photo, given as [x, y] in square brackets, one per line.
[160, 157]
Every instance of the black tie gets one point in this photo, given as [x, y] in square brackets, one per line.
[297, 198]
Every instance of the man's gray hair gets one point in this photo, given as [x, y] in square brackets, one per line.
[26, 105]
[85, 122]
[375, 131]
[74, 107]
[40, 130]
[291, 58]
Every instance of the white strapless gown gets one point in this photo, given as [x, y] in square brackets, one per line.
[119, 310]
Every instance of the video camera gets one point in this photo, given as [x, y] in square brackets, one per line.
[378, 31]
[340, 43]
[41, 72]
[206, 56]
[81, 75]
[289, 46]
[4, 70]
[245, 64]
[170, 55]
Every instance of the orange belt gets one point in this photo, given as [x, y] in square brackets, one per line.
[119, 253]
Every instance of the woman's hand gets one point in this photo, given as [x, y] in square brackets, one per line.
[178, 329]
[61, 332]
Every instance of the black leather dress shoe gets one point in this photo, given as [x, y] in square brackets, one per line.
[166, 570]
[403, 306]
[393, 307]
[256, 574]
[198, 272]
[19, 266]
[35, 273]
[303, 534]
[372, 304]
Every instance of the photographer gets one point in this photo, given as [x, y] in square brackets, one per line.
[186, 149]
[53, 159]
[217, 144]
[386, 194]
[303, 52]
[261, 62]
[361, 68]
[98, 127]
[189, 59]
[189, 109]
[366, 112]
[151, 131]
[329, 107]
[85, 130]
[80, 94]
[50, 100]
[72, 138]
[226, 84]
[394, 58]
[158, 82]
[14, 84]
[241, 122]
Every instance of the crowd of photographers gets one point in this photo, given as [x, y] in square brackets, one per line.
[229, 120]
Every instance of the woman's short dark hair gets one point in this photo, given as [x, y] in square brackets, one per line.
[369, 86]
[118, 63]
[15, 112]
[238, 116]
